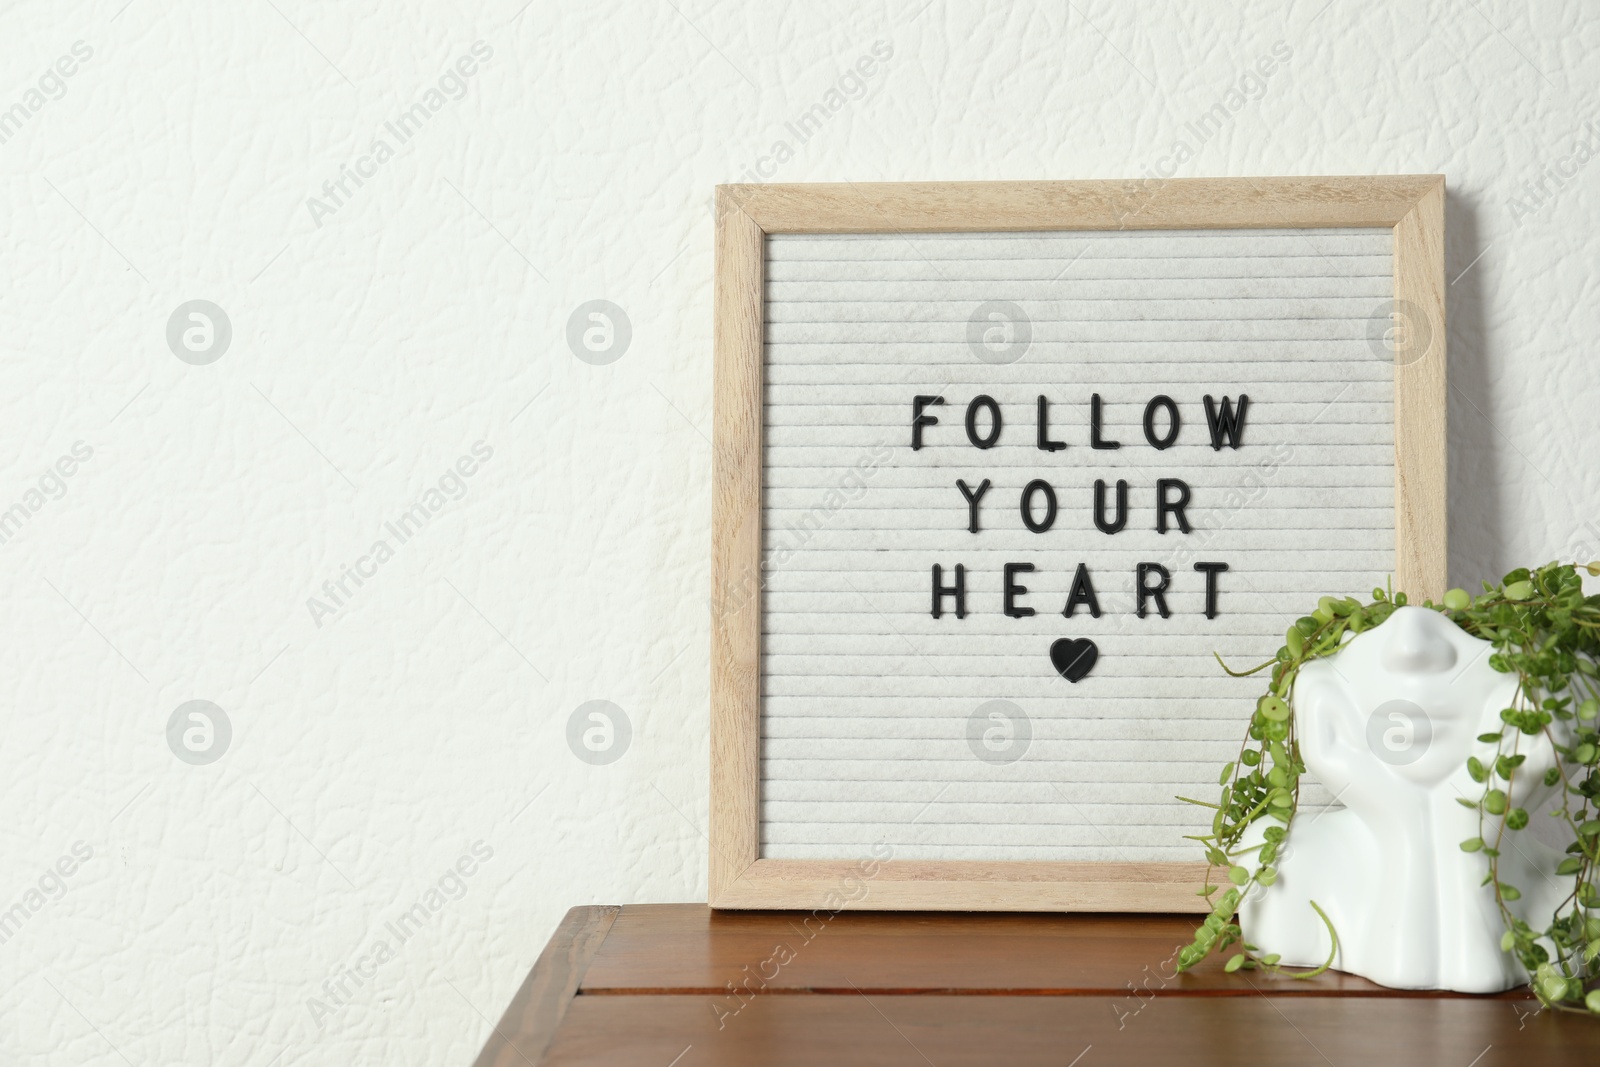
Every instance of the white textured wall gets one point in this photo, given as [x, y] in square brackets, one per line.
[374, 344]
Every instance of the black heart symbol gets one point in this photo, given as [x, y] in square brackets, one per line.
[1074, 659]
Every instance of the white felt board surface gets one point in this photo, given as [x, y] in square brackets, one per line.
[876, 718]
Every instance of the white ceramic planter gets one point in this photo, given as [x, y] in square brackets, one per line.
[1387, 724]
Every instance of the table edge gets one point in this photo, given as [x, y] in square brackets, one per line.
[525, 1030]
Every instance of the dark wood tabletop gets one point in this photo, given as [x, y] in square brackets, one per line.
[678, 985]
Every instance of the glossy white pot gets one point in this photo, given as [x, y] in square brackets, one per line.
[1387, 724]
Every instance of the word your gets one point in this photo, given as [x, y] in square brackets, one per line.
[1554, 179]
[1172, 505]
[1247, 89]
[452, 885]
[408, 525]
[53, 82]
[52, 887]
[52, 486]
[336, 192]
[851, 85]
[853, 887]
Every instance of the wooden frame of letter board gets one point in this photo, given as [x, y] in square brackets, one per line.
[1412, 205]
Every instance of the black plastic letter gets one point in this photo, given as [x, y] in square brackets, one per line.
[1226, 423]
[1094, 426]
[973, 496]
[983, 401]
[1049, 519]
[919, 420]
[1173, 422]
[1164, 507]
[959, 591]
[1082, 593]
[1100, 506]
[1043, 439]
[1211, 571]
[1013, 590]
[1157, 592]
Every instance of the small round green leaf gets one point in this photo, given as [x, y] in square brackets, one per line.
[1550, 985]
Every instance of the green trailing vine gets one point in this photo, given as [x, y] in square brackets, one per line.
[1544, 631]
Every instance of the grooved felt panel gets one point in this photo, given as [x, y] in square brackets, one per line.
[961, 737]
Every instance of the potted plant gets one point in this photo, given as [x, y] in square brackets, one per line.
[1536, 758]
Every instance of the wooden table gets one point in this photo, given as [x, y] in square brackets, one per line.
[678, 985]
